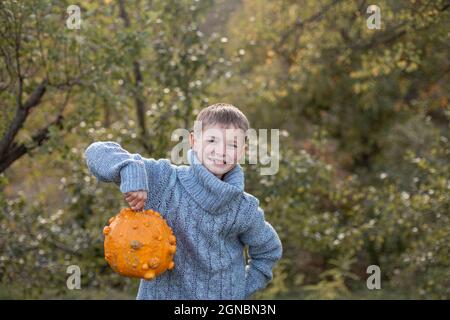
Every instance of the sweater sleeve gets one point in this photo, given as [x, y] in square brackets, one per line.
[109, 162]
[264, 248]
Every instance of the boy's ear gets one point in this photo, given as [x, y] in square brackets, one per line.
[246, 143]
[191, 138]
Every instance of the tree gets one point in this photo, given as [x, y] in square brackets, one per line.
[40, 67]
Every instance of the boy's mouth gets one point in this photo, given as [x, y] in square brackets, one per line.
[219, 162]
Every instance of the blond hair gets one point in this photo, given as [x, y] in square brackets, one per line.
[223, 113]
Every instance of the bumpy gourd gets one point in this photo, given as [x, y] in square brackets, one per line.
[139, 244]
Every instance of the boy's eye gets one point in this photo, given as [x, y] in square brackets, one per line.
[211, 140]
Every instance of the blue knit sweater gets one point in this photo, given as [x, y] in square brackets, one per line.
[212, 219]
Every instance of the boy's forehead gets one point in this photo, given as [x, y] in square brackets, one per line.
[223, 129]
[219, 126]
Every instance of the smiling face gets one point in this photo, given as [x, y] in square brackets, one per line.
[219, 147]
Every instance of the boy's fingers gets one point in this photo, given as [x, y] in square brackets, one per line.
[136, 195]
[138, 207]
[134, 202]
[140, 197]
[133, 196]
[137, 203]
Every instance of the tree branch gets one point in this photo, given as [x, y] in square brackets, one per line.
[16, 151]
[22, 113]
[300, 24]
[138, 96]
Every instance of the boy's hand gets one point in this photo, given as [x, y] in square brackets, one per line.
[136, 199]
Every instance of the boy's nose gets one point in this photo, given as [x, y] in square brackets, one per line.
[221, 150]
[224, 149]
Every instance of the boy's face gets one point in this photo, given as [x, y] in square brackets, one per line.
[219, 147]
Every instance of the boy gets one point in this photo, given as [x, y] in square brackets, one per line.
[206, 207]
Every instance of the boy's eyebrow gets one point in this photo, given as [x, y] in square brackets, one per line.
[233, 137]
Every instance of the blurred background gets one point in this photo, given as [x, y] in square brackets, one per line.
[363, 116]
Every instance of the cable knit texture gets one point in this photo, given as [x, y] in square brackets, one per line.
[212, 219]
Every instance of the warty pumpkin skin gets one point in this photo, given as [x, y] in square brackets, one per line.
[139, 244]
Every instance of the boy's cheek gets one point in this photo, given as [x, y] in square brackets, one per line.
[239, 155]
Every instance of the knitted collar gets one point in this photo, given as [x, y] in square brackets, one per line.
[211, 193]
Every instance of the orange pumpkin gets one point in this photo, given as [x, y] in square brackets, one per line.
[139, 244]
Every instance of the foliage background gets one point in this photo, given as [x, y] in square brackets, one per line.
[363, 114]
